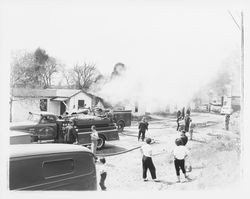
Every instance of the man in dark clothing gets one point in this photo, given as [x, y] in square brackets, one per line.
[187, 123]
[183, 113]
[143, 126]
[178, 119]
[71, 135]
[227, 119]
[184, 138]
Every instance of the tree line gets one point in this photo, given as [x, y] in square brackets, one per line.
[39, 70]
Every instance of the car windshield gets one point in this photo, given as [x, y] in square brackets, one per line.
[34, 117]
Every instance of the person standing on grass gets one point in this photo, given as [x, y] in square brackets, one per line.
[180, 152]
[178, 119]
[188, 111]
[227, 120]
[94, 139]
[147, 162]
[183, 113]
[103, 174]
[188, 120]
[143, 126]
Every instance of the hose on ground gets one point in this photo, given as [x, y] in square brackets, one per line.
[118, 153]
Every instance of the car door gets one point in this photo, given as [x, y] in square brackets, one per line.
[47, 128]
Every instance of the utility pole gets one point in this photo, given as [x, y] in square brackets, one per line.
[242, 63]
[241, 28]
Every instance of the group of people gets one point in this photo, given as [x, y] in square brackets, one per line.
[180, 152]
[71, 135]
[185, 117]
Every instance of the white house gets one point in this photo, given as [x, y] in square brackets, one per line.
[56, 101]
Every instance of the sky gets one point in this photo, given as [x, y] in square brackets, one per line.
[170, 50]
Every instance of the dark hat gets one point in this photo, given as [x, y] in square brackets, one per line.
[178, 142]
[148, 140]
[103, 160]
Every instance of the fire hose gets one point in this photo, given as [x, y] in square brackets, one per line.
[125, 151]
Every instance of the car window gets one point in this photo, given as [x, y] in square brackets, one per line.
[34, 117]
[56, 168]
[47, 119]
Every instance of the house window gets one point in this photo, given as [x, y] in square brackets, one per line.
[81, 104]
[43, 104]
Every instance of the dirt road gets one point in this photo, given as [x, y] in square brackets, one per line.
[214, 156]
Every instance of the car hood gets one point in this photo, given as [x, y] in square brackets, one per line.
[22, 125]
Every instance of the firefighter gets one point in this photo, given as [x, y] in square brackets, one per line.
[143, 126]
[71, 134]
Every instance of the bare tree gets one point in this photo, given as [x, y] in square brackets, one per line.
[68, 76]
[45, 66]
[47, 71]
[21, 70]
[84, 75]
[31, 70]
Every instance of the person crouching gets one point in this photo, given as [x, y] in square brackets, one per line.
[180, 152]
[147, 162]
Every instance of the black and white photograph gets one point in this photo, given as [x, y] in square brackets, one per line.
[136, 96]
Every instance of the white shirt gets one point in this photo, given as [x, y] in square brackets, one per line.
[147, 150]
[102, 168]
[94, 135]
[180, 152]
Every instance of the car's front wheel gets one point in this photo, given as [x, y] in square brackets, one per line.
[100, 142]
[120, 126]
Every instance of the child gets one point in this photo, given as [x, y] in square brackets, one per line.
[147, 162]
[103, 173]
[180, 152]
[94, 138]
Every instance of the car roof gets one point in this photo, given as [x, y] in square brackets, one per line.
[18, 133]
[21, 150]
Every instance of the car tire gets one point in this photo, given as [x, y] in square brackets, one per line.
[120, 126]
[100, 142]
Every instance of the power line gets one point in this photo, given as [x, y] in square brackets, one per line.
[234, 20]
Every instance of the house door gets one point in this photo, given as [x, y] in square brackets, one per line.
[62, 108]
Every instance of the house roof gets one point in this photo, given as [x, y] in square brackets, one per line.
[64, 93]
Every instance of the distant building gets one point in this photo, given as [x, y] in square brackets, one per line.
[56, 101]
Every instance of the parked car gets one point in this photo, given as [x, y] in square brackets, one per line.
[45, 126]
[226, 110]
[215, 108]
[19, 137]
[51, 167]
